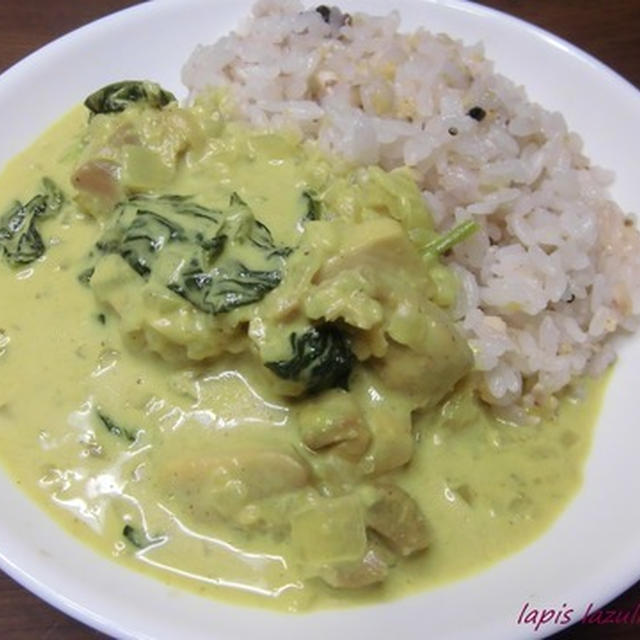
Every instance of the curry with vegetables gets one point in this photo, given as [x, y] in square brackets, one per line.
[247, 378]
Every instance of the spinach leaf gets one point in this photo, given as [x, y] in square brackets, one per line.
[145, 225]
[117, 96]
[227, 282]
[224, 288]
[314, 206]
[230, 258]
[21, 243]
[84, 277]
[242, 227]
[148, 234]
[54, 195]
[20, 239]
[115, 429]
[321, 358]
[138, 537]
[176, 204]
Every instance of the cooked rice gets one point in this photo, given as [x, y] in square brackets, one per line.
[554, 271]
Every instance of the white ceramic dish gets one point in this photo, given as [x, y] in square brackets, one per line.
[592, 552]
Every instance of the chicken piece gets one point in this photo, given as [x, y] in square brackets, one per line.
[380, 246]
[393, 440]
[98, 186]
[426, 357]
[333, 421]
[396, 516]
[371, 569]
[222, 484]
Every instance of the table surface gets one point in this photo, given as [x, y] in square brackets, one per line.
[608, 29]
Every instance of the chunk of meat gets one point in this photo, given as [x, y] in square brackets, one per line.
[371, 569]
[222, 484]
[333, 421]
[377, 245]
[393, 440]
[98, 186]
[396, 516]
[426, 357]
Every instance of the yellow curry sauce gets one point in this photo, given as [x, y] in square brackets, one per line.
[167, 422]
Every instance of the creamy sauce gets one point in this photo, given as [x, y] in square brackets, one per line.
[486, 488]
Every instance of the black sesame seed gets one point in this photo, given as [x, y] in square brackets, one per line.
[477, 113]
[453, 131]
[324, 11]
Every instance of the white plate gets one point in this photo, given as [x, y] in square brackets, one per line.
[592, 552]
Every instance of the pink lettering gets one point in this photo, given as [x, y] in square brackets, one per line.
[541, 617]
[524, 608]
[546, 616]
[586, 613]
[566, 616]
[595, 618]
[619, 617]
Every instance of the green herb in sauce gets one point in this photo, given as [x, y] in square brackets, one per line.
[20, 239]
[116, 97]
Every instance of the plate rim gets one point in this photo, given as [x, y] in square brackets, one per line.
[90, 617]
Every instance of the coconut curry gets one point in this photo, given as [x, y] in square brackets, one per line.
[247, 380]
